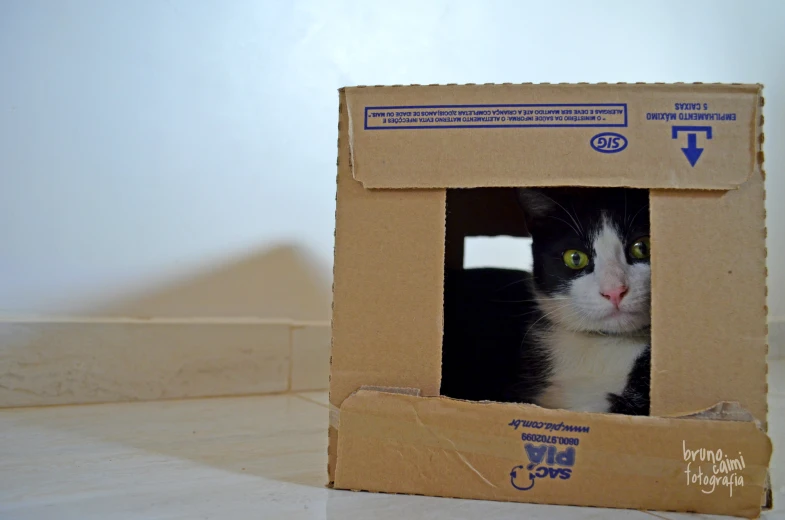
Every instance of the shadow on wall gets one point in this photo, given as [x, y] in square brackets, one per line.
[284, 282]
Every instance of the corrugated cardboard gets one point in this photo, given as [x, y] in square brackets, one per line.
[403, 154]
[388, 152]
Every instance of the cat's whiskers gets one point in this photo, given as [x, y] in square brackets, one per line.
[625, 210]
[513, 283]
[580, 226]
[542, 318]
[567, 223]
[646, 207]
[535, 300]
[574, 220]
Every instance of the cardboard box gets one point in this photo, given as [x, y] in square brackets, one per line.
[404, 152]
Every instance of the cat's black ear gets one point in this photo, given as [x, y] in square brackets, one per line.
[535, 203]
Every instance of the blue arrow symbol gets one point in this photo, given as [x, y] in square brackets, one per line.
[692, 152]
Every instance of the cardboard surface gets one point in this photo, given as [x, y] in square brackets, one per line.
[709, 332]
[397, 227]
[541, 135]
[442, 447]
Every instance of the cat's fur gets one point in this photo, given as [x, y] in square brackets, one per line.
[551, 337]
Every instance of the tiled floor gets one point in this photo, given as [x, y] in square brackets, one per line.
[225, 459]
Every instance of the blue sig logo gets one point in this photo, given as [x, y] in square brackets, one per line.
[544, 462]
[608, 142]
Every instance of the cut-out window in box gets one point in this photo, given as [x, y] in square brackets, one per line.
[499, 252]
[565, 324]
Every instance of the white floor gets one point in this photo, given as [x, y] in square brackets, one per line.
[225, 459]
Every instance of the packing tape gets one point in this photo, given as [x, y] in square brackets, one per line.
[335, 417]
[335, 412]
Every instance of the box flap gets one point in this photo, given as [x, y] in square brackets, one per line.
[442, 447]
[687, 136]
[702, 354]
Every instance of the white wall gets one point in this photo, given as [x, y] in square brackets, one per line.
[143, 140]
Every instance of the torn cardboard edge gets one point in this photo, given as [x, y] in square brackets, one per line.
[722, 411]
[562, 83]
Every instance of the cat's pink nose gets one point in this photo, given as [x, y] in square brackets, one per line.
[615, 295]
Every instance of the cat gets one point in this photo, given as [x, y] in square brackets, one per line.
[574, 333]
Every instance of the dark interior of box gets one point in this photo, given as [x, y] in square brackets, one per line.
[480, 212]
[476, 212]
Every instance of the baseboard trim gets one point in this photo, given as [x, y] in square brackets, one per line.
[79, 361]
[73, 360]
[26, 318]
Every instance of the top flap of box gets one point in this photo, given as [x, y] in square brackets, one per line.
[685, 136]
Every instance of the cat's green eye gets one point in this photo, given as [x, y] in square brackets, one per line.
[575, 259]
[641, 249]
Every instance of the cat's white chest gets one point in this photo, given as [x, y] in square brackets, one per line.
[586, 368]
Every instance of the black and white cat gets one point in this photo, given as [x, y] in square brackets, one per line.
[575, 333]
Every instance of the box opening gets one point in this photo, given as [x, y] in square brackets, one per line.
[563, 319]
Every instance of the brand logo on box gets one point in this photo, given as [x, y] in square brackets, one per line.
[608, 142]
[544, 462]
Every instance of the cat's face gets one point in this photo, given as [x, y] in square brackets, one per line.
[591, 256]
